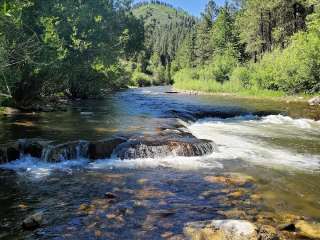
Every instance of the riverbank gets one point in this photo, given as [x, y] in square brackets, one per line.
[245, 94]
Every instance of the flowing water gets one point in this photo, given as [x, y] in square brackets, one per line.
[277, 143]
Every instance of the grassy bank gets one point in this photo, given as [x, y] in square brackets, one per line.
[227, 88]
[200, 81]
[233, 88]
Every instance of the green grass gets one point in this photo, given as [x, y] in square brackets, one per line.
[215, 87]
[194, 80]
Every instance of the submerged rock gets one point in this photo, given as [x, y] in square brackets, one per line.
[110, 195]
[231, 179]
[221, 230]
[306, 229]
[34, 221]
[290, 227]
[267, 232]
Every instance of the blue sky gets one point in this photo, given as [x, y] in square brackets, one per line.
[195, 7]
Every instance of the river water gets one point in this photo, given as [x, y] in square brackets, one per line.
[276, 143]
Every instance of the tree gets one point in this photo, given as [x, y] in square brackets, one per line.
[224, 35]
[203, 47]
[66, 46]
[269, 24]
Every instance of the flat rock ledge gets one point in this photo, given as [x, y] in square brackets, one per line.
[167, 143]
[221, 230]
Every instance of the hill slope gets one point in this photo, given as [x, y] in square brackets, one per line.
[165, 29]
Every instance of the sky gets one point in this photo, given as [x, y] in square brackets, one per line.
[195, 7]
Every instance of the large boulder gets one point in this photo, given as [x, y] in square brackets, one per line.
[221, 230]
[104, 148]
[163, 146]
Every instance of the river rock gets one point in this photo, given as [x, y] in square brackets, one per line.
[267, 232]
[221, 230]
[314, 101]
[104, 149]
[34, 221]
[33, 147]
[307, 229]
[231, 179]
[290, 227]
[66, 151]
[110, 195]
[163, 146]
[9, 152]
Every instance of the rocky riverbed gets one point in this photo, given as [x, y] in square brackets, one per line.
[161, 166]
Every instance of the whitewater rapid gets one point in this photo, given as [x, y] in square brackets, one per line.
[253, 139]
[246, 138]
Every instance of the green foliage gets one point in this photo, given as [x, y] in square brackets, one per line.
[266, 25]
[222, 67]
[292, 70]
[140, 79]
[66, 46]
[214, 77]
[165, 30]
[283, 38]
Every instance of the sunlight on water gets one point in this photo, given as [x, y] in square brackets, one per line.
[179, 163]
[248, 138]
[38, 169]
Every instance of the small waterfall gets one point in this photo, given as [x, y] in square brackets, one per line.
[168, 143]
[164, 148]
[66, 151]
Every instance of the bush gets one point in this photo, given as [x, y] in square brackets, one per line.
[293, 70]
[140, 79]
[210, 78]
[222, 67]
[243, 75]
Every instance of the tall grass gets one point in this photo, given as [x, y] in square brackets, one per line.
[201, 80]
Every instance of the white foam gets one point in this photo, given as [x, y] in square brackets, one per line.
[244, 138]
[180, 163]
[299, 123]
[38, 169]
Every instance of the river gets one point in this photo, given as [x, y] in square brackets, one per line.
[276, 143]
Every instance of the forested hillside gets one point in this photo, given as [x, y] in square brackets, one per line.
[79, 49]
[165, 29]
[252, 46]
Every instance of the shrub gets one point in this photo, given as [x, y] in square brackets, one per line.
[243, 75]
[140, 79]
[222, 67]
